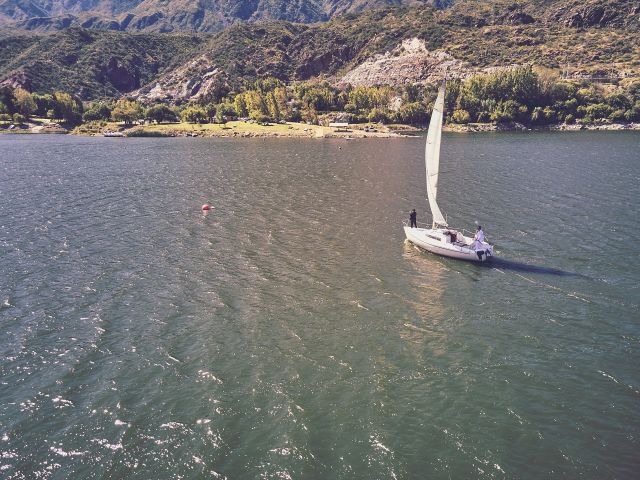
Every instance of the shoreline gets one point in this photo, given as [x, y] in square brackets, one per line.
[558, 127]
[239, 129]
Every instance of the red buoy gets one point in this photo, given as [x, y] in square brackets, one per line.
[206, 207]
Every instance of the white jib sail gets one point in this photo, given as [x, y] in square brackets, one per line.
[432, 156]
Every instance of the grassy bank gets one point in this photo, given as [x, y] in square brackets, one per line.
[236, 129]
[239, 129]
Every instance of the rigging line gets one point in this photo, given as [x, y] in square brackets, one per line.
[568, 294]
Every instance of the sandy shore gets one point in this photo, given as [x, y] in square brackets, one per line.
[238, 129]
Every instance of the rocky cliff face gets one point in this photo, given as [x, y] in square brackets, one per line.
[410, 63]
[597, 14]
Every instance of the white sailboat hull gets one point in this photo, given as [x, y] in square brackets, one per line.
[438, 241]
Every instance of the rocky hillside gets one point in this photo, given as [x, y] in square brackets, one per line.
[177, 15]
[416, 45]
[597, 38]
[91, 63]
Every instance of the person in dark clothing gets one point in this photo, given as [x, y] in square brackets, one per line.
[413, 216]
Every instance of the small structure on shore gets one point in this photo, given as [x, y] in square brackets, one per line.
[340, 126]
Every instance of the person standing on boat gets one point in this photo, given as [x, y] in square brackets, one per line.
[478, 238]
[413, 217]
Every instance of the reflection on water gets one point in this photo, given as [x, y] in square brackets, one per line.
[429, 285]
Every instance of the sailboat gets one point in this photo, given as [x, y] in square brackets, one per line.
[440, 238]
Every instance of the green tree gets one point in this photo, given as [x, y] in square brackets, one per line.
[256, 105]
[414, 113]
[127, 111]
[265, 85]
[44, 103]
[505, 111]
[24, 102]
[161, 113]
[67, 107]
[273, 107]
[411, 93]
[226, 108]
[194, 114]
[240, 106]
[97, 111]
[378, 115]
[220, 117]
[7, 99]
[366, 98]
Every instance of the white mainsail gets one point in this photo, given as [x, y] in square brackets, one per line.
[432, 157]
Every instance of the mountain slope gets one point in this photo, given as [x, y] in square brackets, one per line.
[92, 63]
[177, 15]
[368, 49]
[360, 49]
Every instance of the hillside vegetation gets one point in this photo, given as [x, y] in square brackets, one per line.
[92, 63]
[510, 97]
[178, 15]
[590, 38]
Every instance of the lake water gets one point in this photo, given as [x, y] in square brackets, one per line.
[292, 334]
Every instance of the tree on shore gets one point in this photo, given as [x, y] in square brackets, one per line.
[24, 102]
[127, 111]
[45, 103]
[161, 113]
[194, 114]
[97, 111]
[67, 107]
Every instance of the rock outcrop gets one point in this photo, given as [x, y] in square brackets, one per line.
[410, 63]
[597, 14]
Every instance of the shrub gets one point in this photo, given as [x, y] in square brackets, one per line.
[483, 117]
[461, 116]
[378, 115]
[633, 114]
[617, 115]
[598, 110]
[506, 111]
[618, 101]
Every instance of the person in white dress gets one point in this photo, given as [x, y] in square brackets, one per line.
[478, 239]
